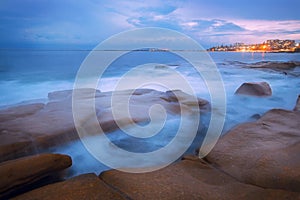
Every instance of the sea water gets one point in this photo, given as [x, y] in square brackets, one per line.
[28, 76]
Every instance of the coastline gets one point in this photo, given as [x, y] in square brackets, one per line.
[257, 51]
[219, 174]
[235, 162]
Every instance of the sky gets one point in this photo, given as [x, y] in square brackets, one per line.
[85, 23]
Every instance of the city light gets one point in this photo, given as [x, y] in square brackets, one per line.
[267, 46]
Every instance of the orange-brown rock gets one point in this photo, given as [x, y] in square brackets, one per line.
[263, 153]
[86, 186]
[20, 111]
[17, 174]
[31, 128]
[189, 179]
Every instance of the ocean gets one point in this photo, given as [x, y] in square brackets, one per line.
[29, 75]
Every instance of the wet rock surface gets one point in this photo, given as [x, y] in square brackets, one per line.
[23, 172]
[27, 129]
[287, 68]
[275, 65]
[191, 178]
[263, 153]
[260, 89]
[86, 186]
[255, 160]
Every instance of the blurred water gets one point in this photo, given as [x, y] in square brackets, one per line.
[28, 75]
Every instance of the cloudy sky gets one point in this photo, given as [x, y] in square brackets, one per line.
[85, 23]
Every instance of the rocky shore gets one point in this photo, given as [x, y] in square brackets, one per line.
[287, 68]
[27, 129]
[255, 160]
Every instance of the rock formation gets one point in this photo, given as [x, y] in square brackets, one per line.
[287, 68]
[189, 179]
[275, 65]
[263, 153]
[255, 160]
[28, 129]
[86, 186]
[20, 173]
[259, 89]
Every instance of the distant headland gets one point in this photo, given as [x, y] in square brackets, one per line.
[276, 46]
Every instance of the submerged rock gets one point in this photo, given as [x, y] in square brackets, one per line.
[188, 179]
[23, 172]
[86, 186]
[259, 89]
[263, 153]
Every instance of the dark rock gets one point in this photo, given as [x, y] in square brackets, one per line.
[297, 106]
[161, 67]
[287, 68]
[86, 186]
[191, 178]
[17, 174]
[255, 116]
[275, 65]
[255, 89]
[263, 153]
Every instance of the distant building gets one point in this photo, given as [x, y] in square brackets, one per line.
[275, 45]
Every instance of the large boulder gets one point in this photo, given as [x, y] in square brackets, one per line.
[86, 186]
[20, 173]
[263, 153]
[259, 89]
[191, 178]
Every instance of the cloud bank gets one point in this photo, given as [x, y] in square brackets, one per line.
[86, 23]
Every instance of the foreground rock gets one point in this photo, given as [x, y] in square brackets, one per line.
[263, 153]
[257, 160]
[259, 89]
[87, 186]
[188, 179]
[20, 173]
[30, 128]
